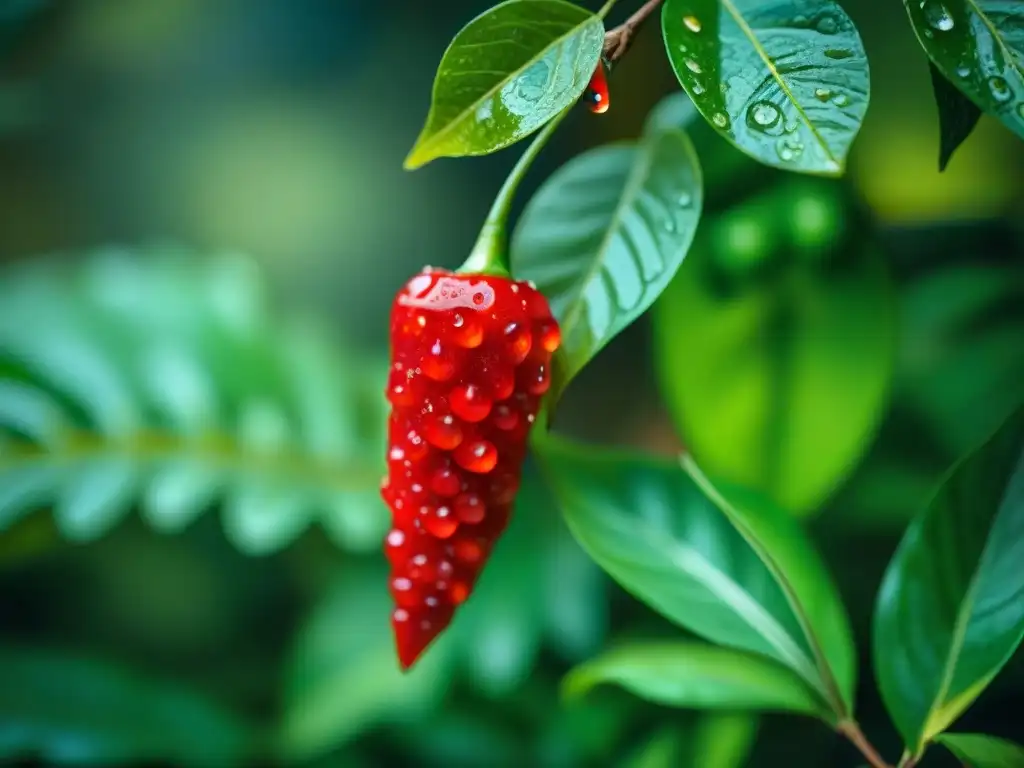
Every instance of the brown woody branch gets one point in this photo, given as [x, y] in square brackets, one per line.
[618, 40]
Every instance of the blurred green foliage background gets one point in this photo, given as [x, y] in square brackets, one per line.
[219, 178]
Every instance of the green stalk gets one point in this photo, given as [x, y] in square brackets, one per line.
[490, 253]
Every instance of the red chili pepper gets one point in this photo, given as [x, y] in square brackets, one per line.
[471, 359]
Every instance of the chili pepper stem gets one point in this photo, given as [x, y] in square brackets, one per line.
[490, 253]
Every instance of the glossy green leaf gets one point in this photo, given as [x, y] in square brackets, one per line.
[72, 710]
[957, 116]
[979, 46]
[604, 236]
[781, 322]
[977, 750]
[786, 82]
[721, 562]
[949, 613]
[342, 676]
[153, 378]
[506, 73]
[697, 676]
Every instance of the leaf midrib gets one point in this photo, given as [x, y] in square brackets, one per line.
[727, 590]
[825, 679]
[435, 137]
[634, 183]
[783, 86]
[960, 628]
[217, 449]
[992, 30]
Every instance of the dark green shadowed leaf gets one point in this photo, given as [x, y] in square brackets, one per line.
[342, 676]
[73, 710]
[786, 81]
[977, 750]
[506, 73]
[723, 740]
[604, 236]
[957, 116]
[782, 321]
[949, 611]
[726, 565]
[979, 46]
[697, 676]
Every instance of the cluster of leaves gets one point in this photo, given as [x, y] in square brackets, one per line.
[788, 83]
[167, 380]
[167, 383]
[158, 380]
[712, 544]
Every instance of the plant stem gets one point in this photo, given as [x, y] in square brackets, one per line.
[852, 731]
[618, 40]
[489, 254]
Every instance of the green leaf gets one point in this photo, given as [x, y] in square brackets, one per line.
[500, 627]
[537, 585]
[158, 379]
[949, 615]
[697, 676]
[723, 740]
[957, 116]
[978, 45]
[604, 236]
[977, 750]
[66, 709]
[786, 82]
[961, 355]
[663, 750]
[721, 562]
[506, 73]
[716, 740]
[342, 676]
[783, 320]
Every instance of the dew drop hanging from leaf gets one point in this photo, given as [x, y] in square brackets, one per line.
[596, 96]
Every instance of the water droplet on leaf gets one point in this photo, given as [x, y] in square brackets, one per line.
[822, 94]
[999, 89]
[693, 66]
[827, 25]
[840, 99]
[720, 120]
[697, 88]
[937, 16]
[763, 115]
[692, 23]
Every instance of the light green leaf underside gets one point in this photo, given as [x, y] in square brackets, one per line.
[507, 73]
[786, 81]
[979, 46]
[980, 751]
[697, 676]
[669, 542]
[604, 236]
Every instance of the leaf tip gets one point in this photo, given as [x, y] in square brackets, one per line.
[414, 159]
